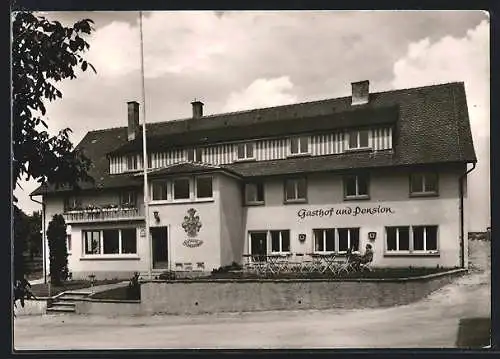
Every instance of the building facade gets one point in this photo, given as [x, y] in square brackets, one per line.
[386, 168]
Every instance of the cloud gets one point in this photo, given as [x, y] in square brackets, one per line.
[262, 93]
[459, 59]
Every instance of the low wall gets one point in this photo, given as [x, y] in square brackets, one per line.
[196, 297]
[108, 307]
[31, 307]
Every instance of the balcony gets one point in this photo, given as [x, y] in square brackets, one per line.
[103, 215]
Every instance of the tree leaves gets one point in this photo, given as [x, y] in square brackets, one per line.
[44, 53]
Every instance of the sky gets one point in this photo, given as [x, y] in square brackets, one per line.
[243, 60]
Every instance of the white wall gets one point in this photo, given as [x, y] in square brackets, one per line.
[232, 231]
[172, 215]
[388, 189]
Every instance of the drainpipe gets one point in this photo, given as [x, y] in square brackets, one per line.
[43, 239]
[462, 234]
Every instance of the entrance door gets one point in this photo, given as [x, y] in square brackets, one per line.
[160, 247]
[258, 245]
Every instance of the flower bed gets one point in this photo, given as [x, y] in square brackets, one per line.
[42, 290]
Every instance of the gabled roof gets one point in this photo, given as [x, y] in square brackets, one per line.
[186, 167]
[431, 125]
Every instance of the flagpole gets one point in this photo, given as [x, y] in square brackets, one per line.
[145, 156]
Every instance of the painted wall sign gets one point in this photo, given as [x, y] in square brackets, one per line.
[192, 226]
[346, 211]
[192, 242]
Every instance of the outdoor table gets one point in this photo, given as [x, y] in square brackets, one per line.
[317, 262]
[329, 263]
[274, 262]
[248, 262]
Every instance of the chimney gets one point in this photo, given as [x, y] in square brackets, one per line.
[360, 92]
[197, 109]
[133, 119]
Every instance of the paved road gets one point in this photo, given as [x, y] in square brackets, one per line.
[432, 322]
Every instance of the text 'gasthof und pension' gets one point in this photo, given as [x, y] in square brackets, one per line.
[346, 211]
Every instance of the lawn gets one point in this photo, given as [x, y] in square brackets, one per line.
[42, 290]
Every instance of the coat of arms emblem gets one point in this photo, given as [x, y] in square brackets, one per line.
[191, 223]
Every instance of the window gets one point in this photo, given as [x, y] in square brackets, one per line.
[68, 242]
[254, 193]
[131, 162]
[194, 154]
[280, 241]
[348, 238]
[181, 188]
[423, 184]
[128, 199]
[92, 243]
[204, 187]
[295, 190]
[410, 240]
[246, 151]
[359, 139]
[159, 190]
[425, 238]
[398, 238]
[324, 240]
[299, 145]
[110, 241]
[129, 241]
[356, 186]
[72, 203]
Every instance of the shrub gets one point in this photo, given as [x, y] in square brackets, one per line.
[225, 269]
[56, 235]
[134, 287]
[168, 275]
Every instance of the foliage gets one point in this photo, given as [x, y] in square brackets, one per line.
[134, 288]
[167, 275]
[225, 269]
[27, 238]
[56, 235]
[45, 52]
[20, 234]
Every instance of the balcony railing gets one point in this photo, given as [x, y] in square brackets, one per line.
[102, 215]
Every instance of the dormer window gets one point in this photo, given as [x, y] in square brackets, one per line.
[131, 162]
[299, 145]
[194, 154]
[246, 151]
[359, 139]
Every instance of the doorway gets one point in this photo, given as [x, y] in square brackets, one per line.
[258, 245]
[159, 237]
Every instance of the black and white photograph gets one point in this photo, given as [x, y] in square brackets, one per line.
[250, 179]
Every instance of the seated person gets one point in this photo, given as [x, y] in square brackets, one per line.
[357, 259]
